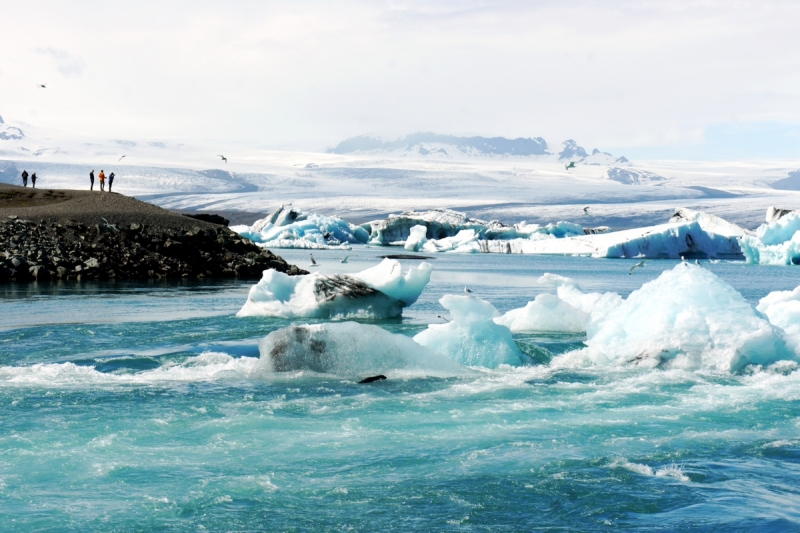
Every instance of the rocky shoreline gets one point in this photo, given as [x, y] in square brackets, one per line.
[77, 235]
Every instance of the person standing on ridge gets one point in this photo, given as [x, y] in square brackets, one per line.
[24, 178]
[102, 178]
[110, 181]
[33, 180]
[91, 180]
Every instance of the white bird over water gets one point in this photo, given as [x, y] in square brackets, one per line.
[345, 259]
[466, 290]
[120, 159]
[586, 210]
[634, 267]
[313, 263]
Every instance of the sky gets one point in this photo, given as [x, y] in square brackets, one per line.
[672, 79]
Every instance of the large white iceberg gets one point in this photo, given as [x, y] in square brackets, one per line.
[688, 318]
[472, 337]
[290, 228]
[378, 292]
[689, 234]
[352, 350]
[775, 243]
[547, 312]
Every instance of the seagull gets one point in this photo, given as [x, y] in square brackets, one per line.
[109, 224]
[443, 318]
[120, 159]
[42, 86]
[586, 210]
[696, 262]
[313, 263]
[345, 259]
[639, 264]
[224, 158]
[571, 165]
[466, 290]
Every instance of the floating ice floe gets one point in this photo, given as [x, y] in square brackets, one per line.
[687, 318]
[378, 292]
[350, 349]
[777, 242]
[783, 310]
[472, 337]
[290, 228]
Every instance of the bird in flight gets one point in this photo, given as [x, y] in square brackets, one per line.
[639, 264]
[224, 158]
[586, 210]
[313, 263]
[345, 259]
[42, 86]
[443, 318]
[120, 159]
[466, 290]
[571, 165]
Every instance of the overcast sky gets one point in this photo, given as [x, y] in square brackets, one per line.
[658, 78]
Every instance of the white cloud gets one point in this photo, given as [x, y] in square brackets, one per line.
[605, 73]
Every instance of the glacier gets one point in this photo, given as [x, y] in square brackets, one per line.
[290, 228]
[472, 337]
[686, 318]
[350, 349]
[378, 292]
[775, 243]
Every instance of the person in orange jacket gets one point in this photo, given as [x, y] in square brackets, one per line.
[102, 178]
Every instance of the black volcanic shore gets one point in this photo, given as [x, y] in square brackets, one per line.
[81, 235]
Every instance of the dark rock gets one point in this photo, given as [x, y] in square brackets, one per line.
[206, 217]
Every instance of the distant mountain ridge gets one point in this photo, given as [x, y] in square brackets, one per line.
[427, 143]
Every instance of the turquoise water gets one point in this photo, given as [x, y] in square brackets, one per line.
[129, 407]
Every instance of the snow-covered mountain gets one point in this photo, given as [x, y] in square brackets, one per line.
[433, 145]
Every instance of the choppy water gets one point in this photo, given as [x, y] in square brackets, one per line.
[129, 407]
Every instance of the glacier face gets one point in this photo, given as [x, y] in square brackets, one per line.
[378, 292]
[472, 337]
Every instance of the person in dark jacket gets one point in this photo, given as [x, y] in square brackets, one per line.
[110, 181]
[91, 180]
[33, 180]
[24, 178]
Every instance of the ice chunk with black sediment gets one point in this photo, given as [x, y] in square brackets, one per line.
[472, 337]
[547, 312]
[290, 228]
[775, 243]
[687, 318]
[350, 349]
[378, 292]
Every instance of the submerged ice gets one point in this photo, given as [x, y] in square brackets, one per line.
[378, 292]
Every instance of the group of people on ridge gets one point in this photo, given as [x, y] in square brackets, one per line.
[102, 178]
[25, 179]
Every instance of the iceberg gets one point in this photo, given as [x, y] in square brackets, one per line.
[472, 337]
[594, 304]
[774, 243]
[416, 238]
[289, 228]
[349, 349]
[783, 310]
[378, 292]
[686, 318]
[545, 313]
[443, 224]
[689, 234]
